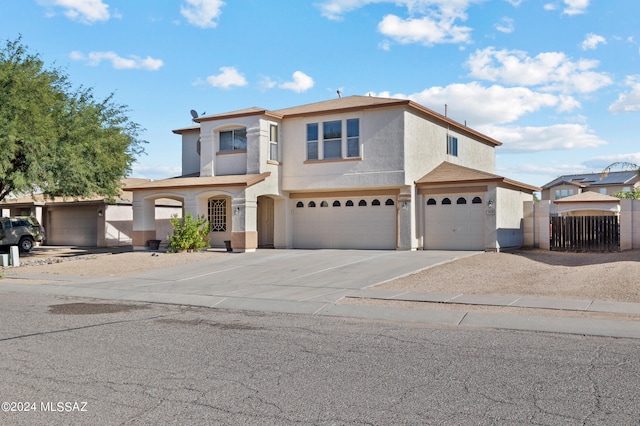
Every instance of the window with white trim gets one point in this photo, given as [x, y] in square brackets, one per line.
[312, 141]
[233, 140]
[339, 139]
[452, 145]
[273, 143]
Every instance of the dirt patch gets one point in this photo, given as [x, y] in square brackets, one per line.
[591, 276]
[103, 262]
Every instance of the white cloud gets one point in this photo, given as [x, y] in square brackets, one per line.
[575, 7]
[202, 13]
[267, 83]
[505, 25]
[301, 82]
[228, 77]
[549, 6]
[425, 30]
[514, 3]
[604, 161]
[430, 21]
[553, 71]
[479, 105]
[84, 11]
[629, 101]
[550, 138]
[118, 62]
[592, 41]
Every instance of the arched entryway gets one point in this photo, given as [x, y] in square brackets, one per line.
[265, 220]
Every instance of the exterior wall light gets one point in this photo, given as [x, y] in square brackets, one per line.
[491, 204]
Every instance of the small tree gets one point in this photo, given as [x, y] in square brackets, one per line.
[189, 233]
[634, 194]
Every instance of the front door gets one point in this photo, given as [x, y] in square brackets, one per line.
[265, 222]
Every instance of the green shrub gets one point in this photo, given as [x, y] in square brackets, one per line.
[189, 233]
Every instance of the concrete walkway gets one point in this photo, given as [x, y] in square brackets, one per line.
[313, 281]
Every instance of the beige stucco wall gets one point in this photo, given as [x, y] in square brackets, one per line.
[427, 148]
[509, 217]
[381, 150]
[190, 156]
[629, 224]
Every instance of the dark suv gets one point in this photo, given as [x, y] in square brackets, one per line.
[21, 231]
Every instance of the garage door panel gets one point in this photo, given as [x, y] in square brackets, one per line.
[73, 227]
[454, 226]
[345, 227]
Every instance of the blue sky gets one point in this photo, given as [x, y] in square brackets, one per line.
[557, 81]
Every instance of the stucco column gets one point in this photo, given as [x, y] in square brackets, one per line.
[406, 221]
[207, 154]
[144, 222]
[491, 220]
[244, 234]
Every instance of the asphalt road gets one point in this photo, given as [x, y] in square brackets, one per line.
[85, 361]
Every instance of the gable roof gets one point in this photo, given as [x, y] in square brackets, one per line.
[588, 197]
[596, 179]
[351, 103]
[449, 173]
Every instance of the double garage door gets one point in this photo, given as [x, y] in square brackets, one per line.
[72, 227]
[345, 223]
[454, 222]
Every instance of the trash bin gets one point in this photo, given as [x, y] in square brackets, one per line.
[153, 244]
[227, 244]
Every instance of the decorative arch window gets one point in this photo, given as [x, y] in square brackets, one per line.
[312, 203]
[476, 200]
[431, 202]
[324, 204]
[389, 202]
[362, 203]
[375, 202]
[446, 201]
[217, 209]
[461, 200]
[336, 203]
[299, 204]
[349, 203]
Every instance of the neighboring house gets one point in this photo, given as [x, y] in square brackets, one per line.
[357, 172]
[605, 184]
[89, 222]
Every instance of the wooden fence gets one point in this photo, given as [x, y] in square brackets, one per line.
[585, 233]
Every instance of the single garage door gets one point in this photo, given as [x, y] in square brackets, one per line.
[345, 223]
[454, 222]
[72, 227]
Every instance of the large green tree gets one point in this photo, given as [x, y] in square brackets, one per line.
[55, 139]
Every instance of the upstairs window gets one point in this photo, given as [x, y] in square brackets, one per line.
[233, 140]
[336, 139]
[332, 139]
[562, 193]
[312, 141]
[452, 145]
[273, 143]
[353, 137]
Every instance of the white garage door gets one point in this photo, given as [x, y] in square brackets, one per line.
[454, 222]
[345, 223]
[72, 227]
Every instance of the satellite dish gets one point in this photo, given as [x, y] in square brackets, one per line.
[194, 114]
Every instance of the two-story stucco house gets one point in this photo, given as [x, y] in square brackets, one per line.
[349, 173]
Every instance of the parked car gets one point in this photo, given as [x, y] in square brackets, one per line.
[21, 231]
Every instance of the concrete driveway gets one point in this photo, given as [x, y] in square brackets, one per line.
[295, 281]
